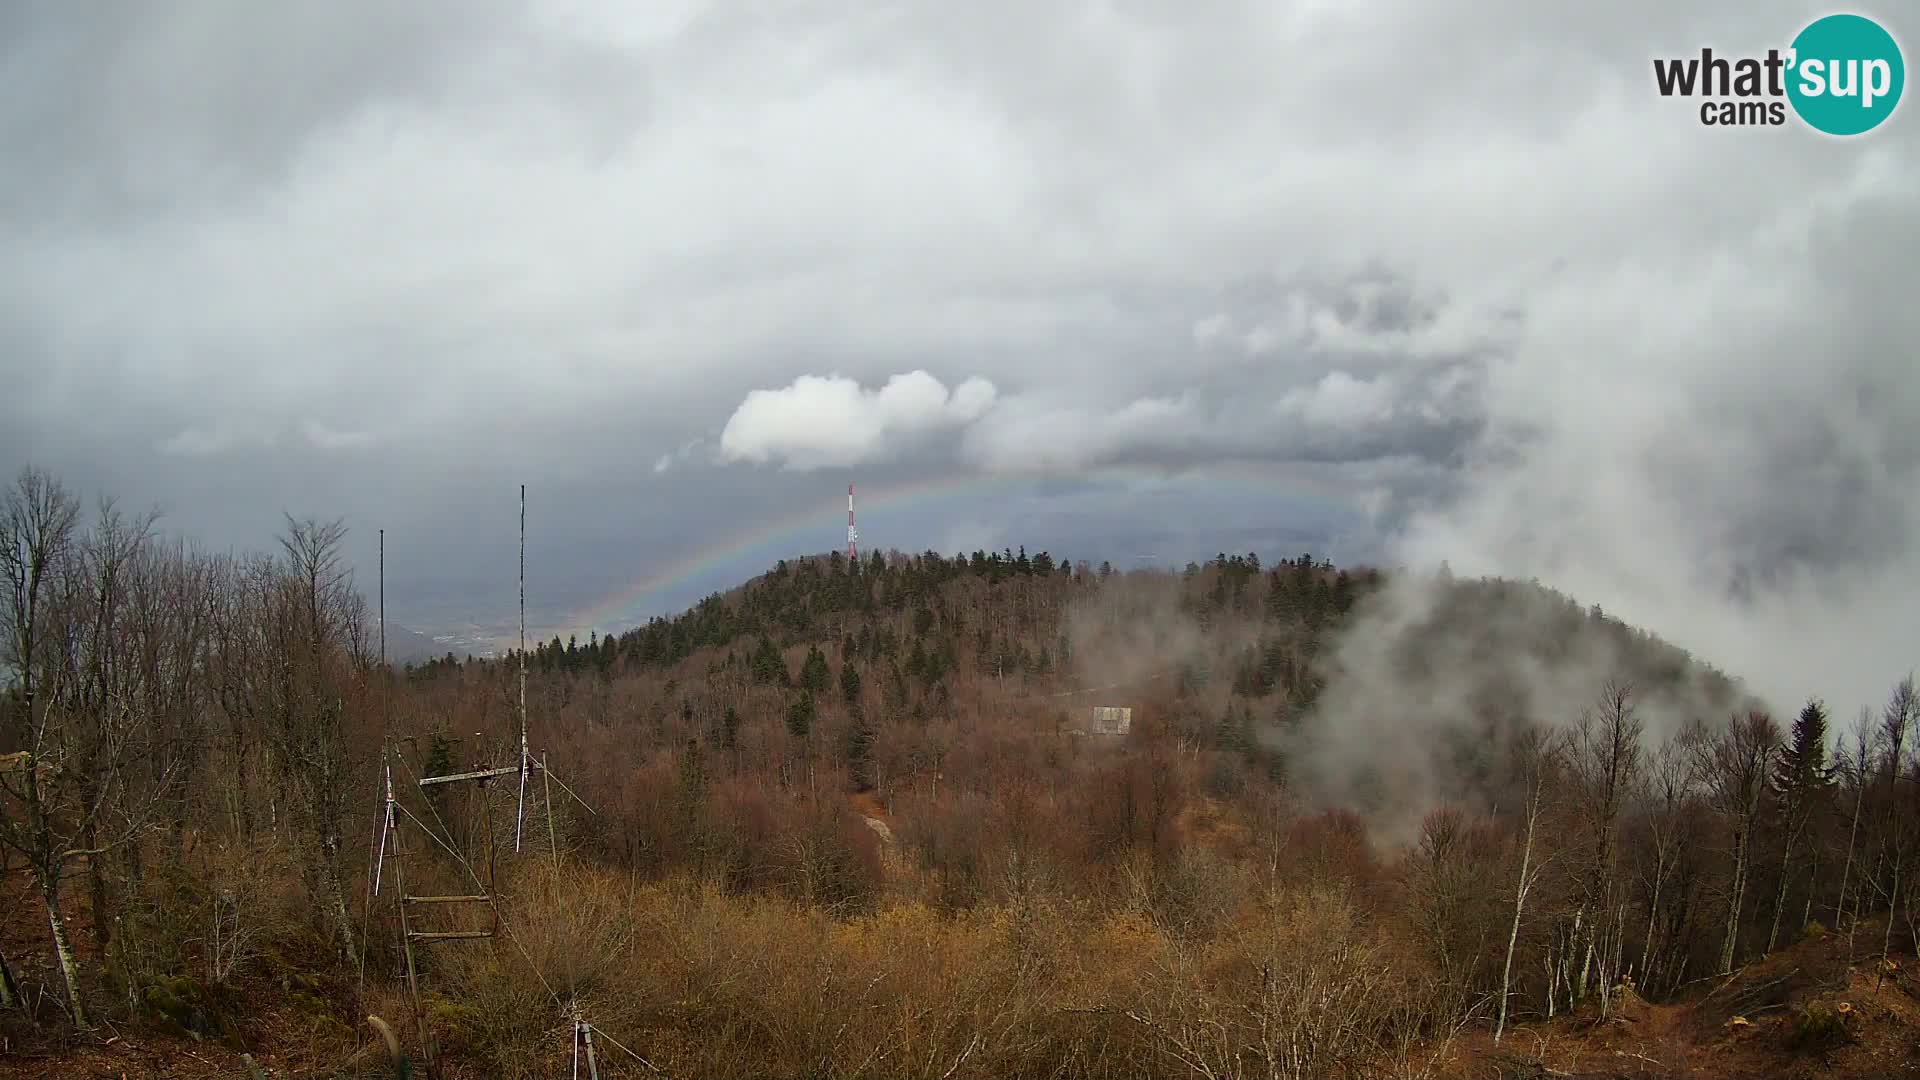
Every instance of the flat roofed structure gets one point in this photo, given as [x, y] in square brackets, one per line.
[1111, 720]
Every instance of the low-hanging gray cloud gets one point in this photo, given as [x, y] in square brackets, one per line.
[831, 422]
[1741, 470]
[1350, 368]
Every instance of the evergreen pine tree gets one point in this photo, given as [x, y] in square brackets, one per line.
[1800, 774]
[814, 675]
[800, 716]
[439, 763]
[1802, 767]
[691, 800]
[860, 736]
[692, 781]
[768, 666]
[849, 683]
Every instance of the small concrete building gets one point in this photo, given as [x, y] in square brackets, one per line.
[1111, 720]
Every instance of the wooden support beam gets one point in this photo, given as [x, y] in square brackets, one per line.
[447, 899]
[477, 774]
[448, 935]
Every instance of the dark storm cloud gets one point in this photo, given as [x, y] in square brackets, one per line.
[128, 111]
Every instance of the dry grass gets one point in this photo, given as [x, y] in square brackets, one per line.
[704, 982]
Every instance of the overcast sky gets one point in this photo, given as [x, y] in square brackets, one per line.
[1451, 272]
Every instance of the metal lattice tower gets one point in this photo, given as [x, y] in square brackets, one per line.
[853, 534]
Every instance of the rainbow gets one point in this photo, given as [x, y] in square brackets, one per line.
[816, 530]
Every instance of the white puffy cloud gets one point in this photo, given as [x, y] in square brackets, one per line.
[823, 421]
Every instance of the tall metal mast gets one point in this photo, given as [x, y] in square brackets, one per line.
[853, 535]
[520, 815]
[383, 601]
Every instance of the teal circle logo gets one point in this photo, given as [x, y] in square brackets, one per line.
[1846, 75]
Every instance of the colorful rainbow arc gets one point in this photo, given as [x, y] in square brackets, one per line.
[816, 529]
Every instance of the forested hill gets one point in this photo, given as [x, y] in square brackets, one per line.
[821, 598]
[1019, 607]
[897, 666]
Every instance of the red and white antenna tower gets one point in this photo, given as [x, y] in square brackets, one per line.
[853, 534]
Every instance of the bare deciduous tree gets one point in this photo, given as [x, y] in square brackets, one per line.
[1537, 756]
[1854, 764]
[1669, 792]
[64, 800]
[1734, 764]
[104, 689]
[1896, 723]
[1604, 758]
[293, 652]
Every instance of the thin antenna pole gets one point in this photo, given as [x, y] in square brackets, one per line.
[386, 830]
[379, 850]
[384, 818]
[520, 813]
[406, 932]
[383, 600]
